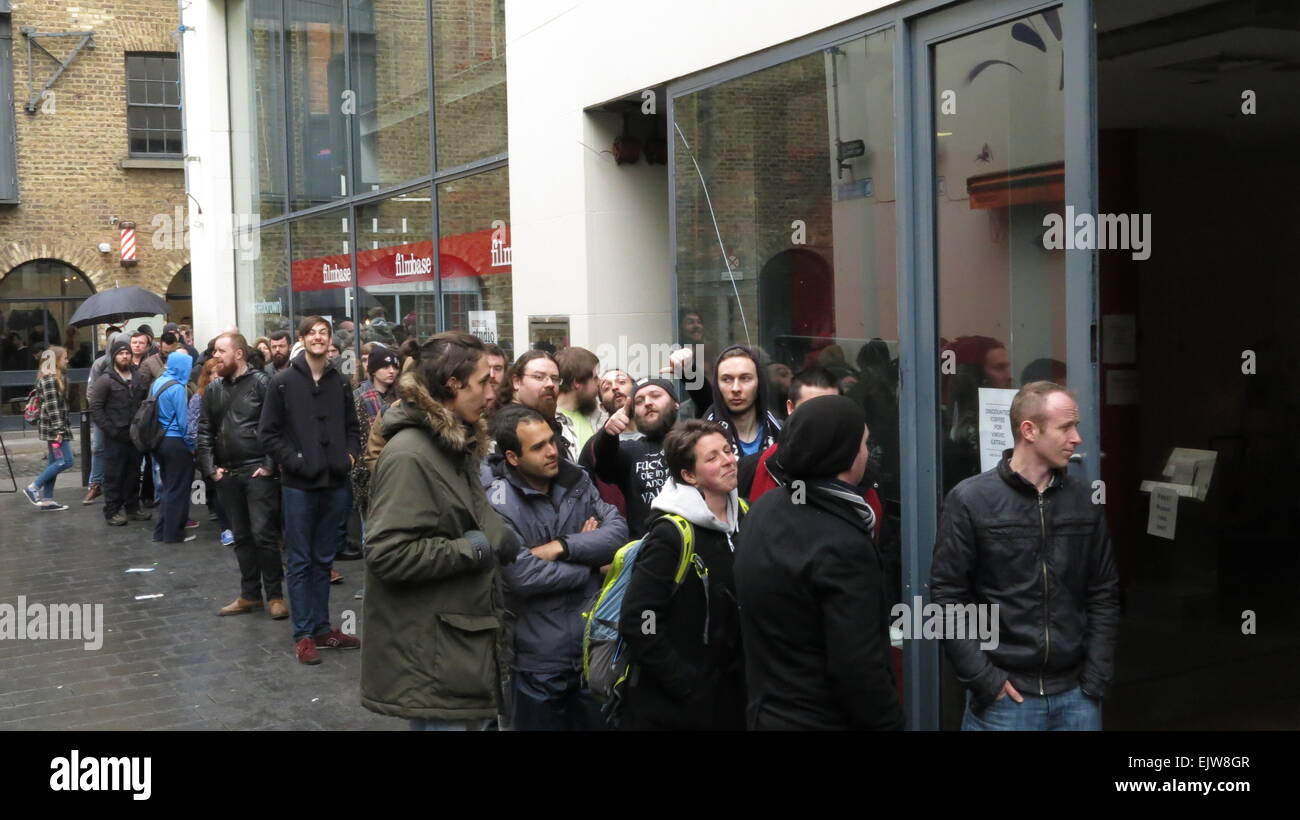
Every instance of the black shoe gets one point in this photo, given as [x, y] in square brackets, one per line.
[117, 519]
[139, 516]
[150, 504]
[349, 555]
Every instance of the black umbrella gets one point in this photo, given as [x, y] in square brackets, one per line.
[117, 304]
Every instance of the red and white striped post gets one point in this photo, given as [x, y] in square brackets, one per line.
[128, 243]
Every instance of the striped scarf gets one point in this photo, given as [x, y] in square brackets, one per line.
[837, 489]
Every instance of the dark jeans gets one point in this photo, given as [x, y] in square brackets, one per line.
[216, 506]
[553, 702]
[121, 485]
[253, 507]
[177, 464]
[313, 534]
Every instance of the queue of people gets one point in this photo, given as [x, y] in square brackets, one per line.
[494, 501]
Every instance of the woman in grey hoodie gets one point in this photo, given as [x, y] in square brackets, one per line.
[681, 624]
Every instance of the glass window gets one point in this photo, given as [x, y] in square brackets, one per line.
[474, 257]
[395, 259]
[153, 111]
[785, 211]
[261, 283]
[390, 67]
[469, 79]
[999, 164]
[37, 299]
[318, 162]
[321, 270]
[257, 118]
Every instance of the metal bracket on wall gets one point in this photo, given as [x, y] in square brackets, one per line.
[31, 34]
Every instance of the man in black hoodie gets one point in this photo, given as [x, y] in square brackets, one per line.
[309, 426]
[116, 396]
[635, 466]
[736, 398]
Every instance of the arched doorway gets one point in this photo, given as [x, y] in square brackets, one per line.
[37, 299]
[180, 304]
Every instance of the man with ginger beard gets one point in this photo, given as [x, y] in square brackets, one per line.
[230, 453]
[636, 466]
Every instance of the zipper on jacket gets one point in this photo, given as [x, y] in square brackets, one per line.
[1047, 623]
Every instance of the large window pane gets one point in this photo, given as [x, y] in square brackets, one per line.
[37, 299]
[257, 118]
[261, 280]
[999, 164]
[474, 256]
[395, 260]
[785, 227]
[469, 79]
[318, 163]
[390, 67]
[321, 270]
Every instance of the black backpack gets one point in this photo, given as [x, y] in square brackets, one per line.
[146, 432]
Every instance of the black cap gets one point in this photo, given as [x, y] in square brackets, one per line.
[381, 357]
[663, 383]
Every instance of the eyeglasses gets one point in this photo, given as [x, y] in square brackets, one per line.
[543, 378]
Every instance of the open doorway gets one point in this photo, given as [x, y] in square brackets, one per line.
[1199, 115]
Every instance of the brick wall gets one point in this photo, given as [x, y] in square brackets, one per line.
[70, 177]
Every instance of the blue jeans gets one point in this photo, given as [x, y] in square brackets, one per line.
[96, 455]
[53, 466]
[1070, 711]
[313, 535]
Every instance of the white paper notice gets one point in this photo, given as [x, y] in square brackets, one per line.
[1163, 518]
[995, 425]
[483, 324]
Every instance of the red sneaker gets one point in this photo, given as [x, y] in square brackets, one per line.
[307, 652]
[335, 639]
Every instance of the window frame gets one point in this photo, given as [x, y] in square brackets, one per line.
[130, 106]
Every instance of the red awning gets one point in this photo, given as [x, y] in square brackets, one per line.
[469, 254]
[1022, 186]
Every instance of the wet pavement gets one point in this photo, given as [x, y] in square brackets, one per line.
[168, 661]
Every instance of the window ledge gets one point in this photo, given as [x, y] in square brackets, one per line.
[161, 162]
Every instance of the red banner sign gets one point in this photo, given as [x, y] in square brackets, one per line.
[482, 253]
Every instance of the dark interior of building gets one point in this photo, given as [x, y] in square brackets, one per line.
[1199, 115]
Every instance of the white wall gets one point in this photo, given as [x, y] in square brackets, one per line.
[207, 176]
[590, 239]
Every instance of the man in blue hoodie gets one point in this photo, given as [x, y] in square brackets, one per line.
[175, 458]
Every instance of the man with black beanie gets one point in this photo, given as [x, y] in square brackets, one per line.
[811, 584]
[635, 466]
[116, 397]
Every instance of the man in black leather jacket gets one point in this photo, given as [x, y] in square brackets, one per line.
[1027, 537]
[230, 453]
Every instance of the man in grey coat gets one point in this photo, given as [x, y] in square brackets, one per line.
[568, 537]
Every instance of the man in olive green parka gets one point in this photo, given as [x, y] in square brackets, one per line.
[433, 644]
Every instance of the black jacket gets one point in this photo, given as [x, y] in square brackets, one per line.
[679, 682]
[228, 427]
[310, 428]
[814, 609]
[636, 466]
[115, 402]
[1045, 560]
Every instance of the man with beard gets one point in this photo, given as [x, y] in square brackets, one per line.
[636, 466]
[497, 362]
[117, 395]
[579, 400]
[535, 383]
[231, 454]
[615, 386]
[279, 341]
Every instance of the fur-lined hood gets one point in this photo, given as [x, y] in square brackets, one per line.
[417, 408]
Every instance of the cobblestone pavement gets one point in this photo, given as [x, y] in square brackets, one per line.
[168, 662]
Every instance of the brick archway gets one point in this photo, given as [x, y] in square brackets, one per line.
[101, 269]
